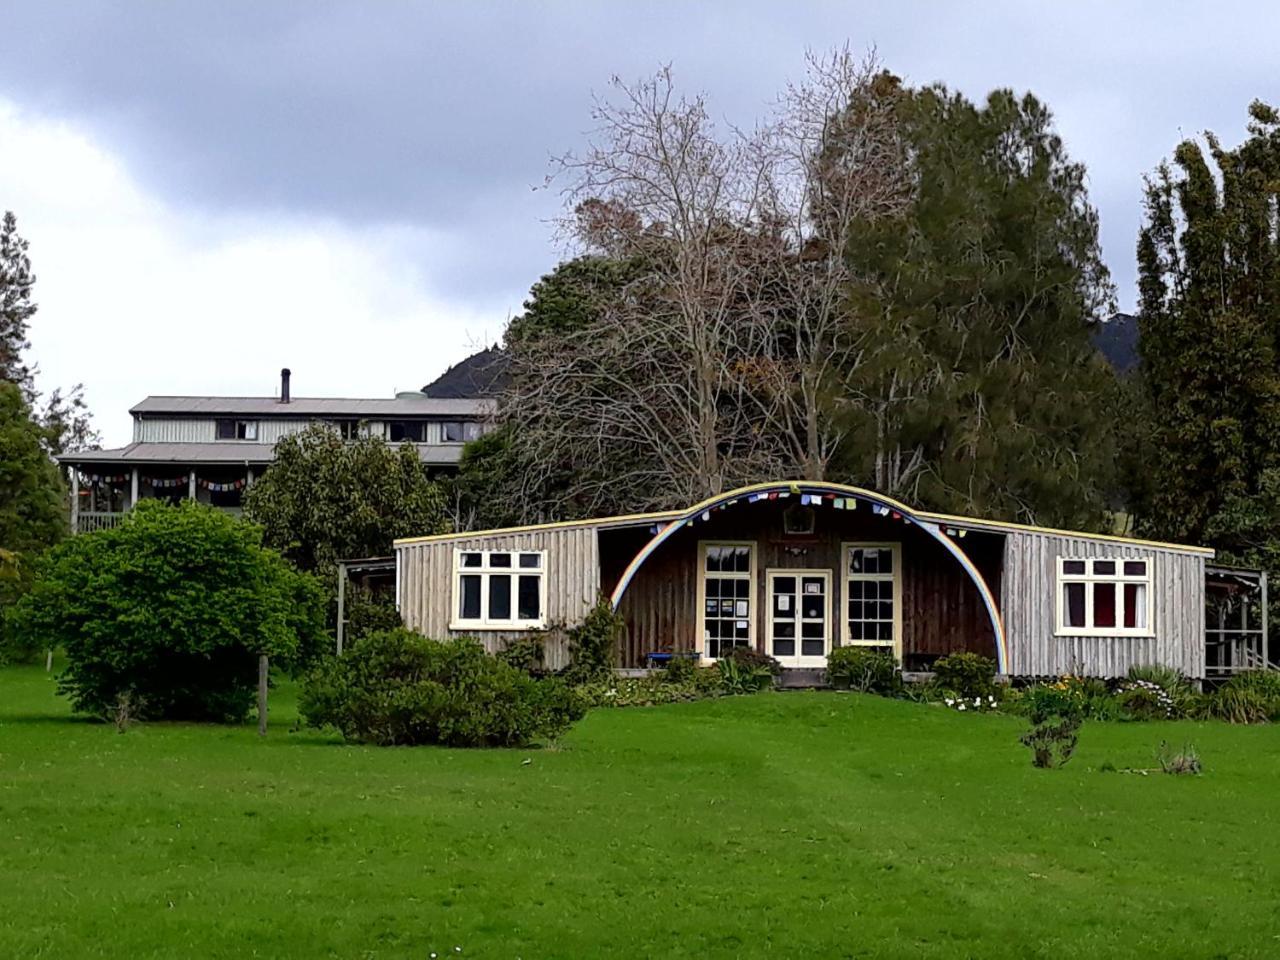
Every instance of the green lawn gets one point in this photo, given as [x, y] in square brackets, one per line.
[786, 825]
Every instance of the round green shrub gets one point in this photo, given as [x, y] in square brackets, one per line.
[168, 612]
[968, 674]
[396, 687]
[865, 670]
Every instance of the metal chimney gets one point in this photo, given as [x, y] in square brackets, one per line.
[284, 385]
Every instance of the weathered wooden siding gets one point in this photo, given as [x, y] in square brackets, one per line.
[425, 584]
[1029, 603]
[173, 430]
[942, 610]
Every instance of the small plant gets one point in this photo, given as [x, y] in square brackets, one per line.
[750, 657]
[1237, 704]
[968, 674]
[1053, 741]
[1265, 684]
[865, 670]
[975, 705]
[1185, 761]
[680, 669]
[743, 676]
[1145, 700]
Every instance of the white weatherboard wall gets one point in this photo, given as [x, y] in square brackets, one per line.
[1029, 597]
[424, 576]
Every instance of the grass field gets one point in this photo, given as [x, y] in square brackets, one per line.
[785, 825]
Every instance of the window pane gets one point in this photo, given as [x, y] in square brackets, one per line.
[1135, 606]
[469, 597]
[713, 559]
[226, 430]
[1104, 568]
[784, 647]
[1073, 604]
[1104, 604]
[885, 561]
[1073, 566]
[531, 561]
[499, 559]
[1135, 568]
[499, 598]
[471, 559]
[452, 431]
[742, 559]
[528, 606]
[856, 560]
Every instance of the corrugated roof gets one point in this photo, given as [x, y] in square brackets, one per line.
[224, 452]
[407, 405]
[969, 523]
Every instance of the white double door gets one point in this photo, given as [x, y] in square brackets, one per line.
[799, 623]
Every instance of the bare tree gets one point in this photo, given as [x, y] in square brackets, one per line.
[716, 361]
[835, 161]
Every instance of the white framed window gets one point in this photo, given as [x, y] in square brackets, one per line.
[726, 596]
[1104, 597]
[499, 590]
[872, 577]
[236, 429]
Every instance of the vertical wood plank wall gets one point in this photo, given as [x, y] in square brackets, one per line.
[942, 609]
[1029, 603]
[425, 572]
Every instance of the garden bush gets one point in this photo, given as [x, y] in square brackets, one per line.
[743, 675]
[651, 690]
[967, 674]
[1265, 684]
[527, 654]
[593, 645]
[1238, 704]
[1142, 695]
[865, 670]
[751, 658]
[396, 687]
[168, 613]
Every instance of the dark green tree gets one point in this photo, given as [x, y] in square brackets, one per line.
[64, 416]
[33, 513]
[16, 306]
[979, 391]
[325, 499]
[1209, 282]
[506, 478]
[165, 615]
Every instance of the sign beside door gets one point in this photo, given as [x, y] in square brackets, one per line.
[799, 632]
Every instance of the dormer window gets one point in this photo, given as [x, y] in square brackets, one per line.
[237, 430]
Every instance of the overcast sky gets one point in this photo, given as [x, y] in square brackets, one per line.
[215, 191]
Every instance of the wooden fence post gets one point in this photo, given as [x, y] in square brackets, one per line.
[262, 694]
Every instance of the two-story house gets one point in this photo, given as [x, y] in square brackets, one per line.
[211, 448]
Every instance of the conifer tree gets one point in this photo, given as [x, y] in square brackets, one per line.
[980, 391]
[1209, 283]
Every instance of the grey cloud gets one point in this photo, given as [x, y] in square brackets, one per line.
[444, 115]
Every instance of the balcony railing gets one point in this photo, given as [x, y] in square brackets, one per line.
[87, 521]
[91, 520]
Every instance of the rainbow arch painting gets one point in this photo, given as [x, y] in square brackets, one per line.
[837, 495]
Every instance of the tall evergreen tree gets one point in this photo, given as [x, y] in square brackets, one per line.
[16, 307]
[1209, 282]
[32, 506]
[980, 391]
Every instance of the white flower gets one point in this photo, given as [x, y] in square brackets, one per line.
[950, 702]
[961, 706]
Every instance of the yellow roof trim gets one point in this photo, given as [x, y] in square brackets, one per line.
[833, 487]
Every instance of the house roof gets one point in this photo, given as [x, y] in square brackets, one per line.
[222, 452]
[482, 374]
[943, 519]
[405, 404]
